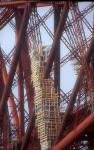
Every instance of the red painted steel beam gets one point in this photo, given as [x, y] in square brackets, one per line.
[18, 17]
[5, 16]
[38, 3]
[17, 3]
[28, 133]
[6, 129]
[75, 91]
[4, 120]
[76, 133]
[57, 10]
[10, 99]
[1, 80]
[25, 59]
[20, 98]
[57, 37]
[20, 41]
[27, 76]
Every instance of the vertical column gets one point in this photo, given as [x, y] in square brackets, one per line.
[5, 132]
[26, 68]
[2, 132]
[27, 78]
[6, 129]
[20, 98]
[3, 118]
[57, 10]
[20, 83]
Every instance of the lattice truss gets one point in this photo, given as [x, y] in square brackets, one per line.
[59, 27]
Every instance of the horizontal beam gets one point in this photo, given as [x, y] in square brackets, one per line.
[36, 2]
[57, 37]
[76, 133]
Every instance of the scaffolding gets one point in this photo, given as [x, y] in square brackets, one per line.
[46, 101]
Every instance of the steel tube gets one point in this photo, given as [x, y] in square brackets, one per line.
[22, 3]
[57, 37]
[57, 10]
[75, 91]
[10, 99]
[5, 131]
[75, 134]
[27, 78]
[26, 68]
[28, 133]
[20, 98]
[20, 41]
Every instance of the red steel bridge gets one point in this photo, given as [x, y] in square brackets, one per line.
[71, 25]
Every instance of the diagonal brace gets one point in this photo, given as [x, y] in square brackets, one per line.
[57, 37]
[20, 41]
[75, 91]
[75, 133]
